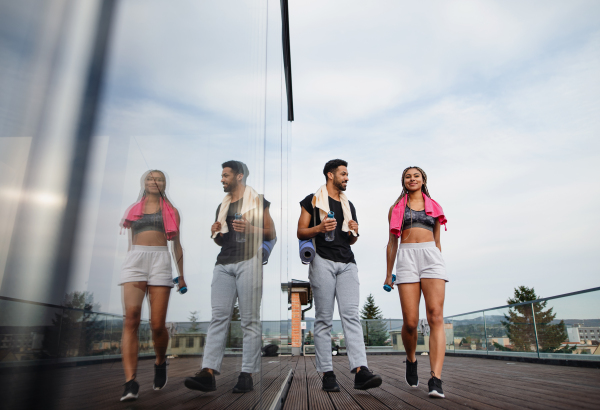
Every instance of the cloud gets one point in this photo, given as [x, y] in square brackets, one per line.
[497, 101]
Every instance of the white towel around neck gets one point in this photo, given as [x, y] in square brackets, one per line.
[321, 201]
[251, 202]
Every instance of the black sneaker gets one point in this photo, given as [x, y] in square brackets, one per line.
[160, 376]
[244, 383]
[330, 382]
[411, 376]
[435, 387]
[131, 390]
[203, 381]
[365, 379]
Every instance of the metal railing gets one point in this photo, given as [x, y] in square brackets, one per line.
[557, 327]
[560, 327]
[35, 331]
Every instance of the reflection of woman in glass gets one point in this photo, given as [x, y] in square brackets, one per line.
[147, 270]
[416, 219]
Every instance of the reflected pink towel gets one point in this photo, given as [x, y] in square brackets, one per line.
[168, 214]
[432, 208]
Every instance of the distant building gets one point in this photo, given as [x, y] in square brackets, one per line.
[397, 344]
[586, 333]
[187, 343]
[22, 346]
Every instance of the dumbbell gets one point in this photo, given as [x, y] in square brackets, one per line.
[176, 282]
[388, 288]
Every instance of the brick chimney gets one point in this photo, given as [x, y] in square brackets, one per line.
[296, 319]
[299, 294]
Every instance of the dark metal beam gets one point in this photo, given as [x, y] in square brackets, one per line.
[287, 59]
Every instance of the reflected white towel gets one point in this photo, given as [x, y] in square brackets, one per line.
[250, 205]
[321, 201]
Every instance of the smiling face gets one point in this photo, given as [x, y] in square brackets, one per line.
[230, 179]
[413, 180]
[340, 178]
[155, 183]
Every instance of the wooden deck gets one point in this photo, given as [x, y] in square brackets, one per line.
[468, 383]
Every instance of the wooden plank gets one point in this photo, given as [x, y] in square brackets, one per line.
[317, 398]
[342, 399]
[552, 397]
[297, 397]
[395, 375]
[275, 392]
[468, 382]
[386, 398]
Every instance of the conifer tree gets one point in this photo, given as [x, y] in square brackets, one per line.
[374, 329]
[194, 319]
[519, 324]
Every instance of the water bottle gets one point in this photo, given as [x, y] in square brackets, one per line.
[176, 282]
[239, 236]
[331, 234]
[387, 287]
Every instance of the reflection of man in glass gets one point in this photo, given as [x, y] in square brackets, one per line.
[242, 222]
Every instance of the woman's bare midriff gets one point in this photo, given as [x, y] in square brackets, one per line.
[150, 238]
[417, 235]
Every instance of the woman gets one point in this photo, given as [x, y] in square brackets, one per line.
[147, 270]
[416, 219]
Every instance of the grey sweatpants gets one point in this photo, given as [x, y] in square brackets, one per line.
[330, 280]
[242, 280]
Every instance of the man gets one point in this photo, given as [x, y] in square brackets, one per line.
[333, 274]
[237, 274]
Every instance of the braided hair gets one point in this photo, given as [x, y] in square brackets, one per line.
[405, 191]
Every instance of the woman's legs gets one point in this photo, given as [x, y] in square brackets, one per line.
[133, 297]
[159, 301]
[410, 296]
[434, 291]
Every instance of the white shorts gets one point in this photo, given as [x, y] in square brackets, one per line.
[418, 261]
[151, 264]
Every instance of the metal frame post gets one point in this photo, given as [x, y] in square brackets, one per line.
[537, 344]
[487, 350]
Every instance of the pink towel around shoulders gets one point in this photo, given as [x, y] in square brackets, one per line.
[168, 214]
[432, 208]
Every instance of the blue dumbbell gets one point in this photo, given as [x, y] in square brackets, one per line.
[176, 282]
[388, 288]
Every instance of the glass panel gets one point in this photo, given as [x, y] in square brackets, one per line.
[510, 331]
[565, 331]
[377, 335]
[468, 333]
[29, 332]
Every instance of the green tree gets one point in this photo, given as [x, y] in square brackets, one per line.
[519, 324]
[374, 328]
[194, 319]
[75, 328]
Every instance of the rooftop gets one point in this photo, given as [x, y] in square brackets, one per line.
[468, 383]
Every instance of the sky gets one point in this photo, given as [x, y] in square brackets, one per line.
[498, 102]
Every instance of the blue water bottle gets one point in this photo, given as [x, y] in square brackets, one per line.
[239, 236]
[176, 282]
[331, 234]
[388, 288]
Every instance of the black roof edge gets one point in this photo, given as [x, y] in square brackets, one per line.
[287, 59]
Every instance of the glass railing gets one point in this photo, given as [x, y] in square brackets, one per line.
[557, 327]
[31, 332]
